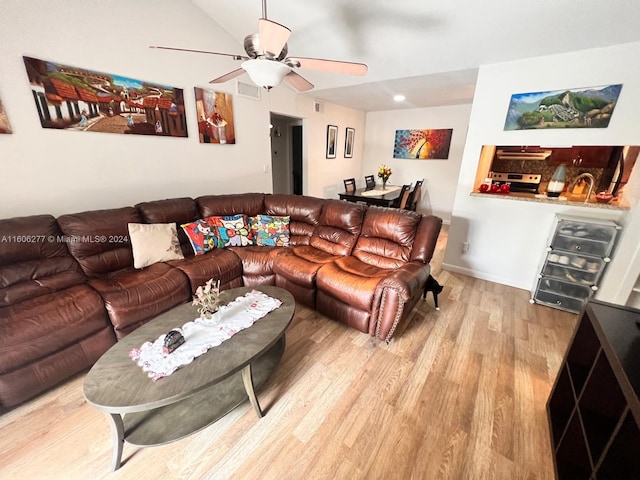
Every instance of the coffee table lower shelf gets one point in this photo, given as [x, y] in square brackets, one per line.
[190, 415]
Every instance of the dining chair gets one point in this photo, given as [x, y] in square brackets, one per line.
[349, 185]
[414, 197]
[401, 201]
[370, 181]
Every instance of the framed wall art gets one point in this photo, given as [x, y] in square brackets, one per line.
[423, 144]
[348, 142]
[5, 127]
[332, 140]
[589, 107]
[74, 98]
[215, 116]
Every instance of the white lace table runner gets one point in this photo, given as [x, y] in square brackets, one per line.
[378, 191]
[200, 335]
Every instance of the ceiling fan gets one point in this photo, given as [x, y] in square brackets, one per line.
[266, 59]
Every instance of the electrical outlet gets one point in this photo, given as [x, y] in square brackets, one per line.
[465, 247]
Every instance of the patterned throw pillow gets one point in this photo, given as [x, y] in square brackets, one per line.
[201, 235]
[268, 230]
[231, 231]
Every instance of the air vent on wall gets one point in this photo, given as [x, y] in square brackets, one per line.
[248, 90]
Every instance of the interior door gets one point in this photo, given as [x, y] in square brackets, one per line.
[296, 164]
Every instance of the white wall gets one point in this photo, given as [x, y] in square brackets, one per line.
[440, 176]
[51, 171]
[507, 238]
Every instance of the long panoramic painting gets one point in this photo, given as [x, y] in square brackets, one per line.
[423, 144]
[4, 121]
[215, 116]
[72, 98]
[589, 107]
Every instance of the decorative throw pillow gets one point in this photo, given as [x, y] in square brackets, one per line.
[201, 236]
[271, 231]
[231, 231]
[152, 243]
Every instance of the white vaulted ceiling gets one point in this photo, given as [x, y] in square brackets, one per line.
[429, 51]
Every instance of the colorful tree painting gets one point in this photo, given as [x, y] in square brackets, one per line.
[422, 144]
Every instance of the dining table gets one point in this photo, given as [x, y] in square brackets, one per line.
[373, 196]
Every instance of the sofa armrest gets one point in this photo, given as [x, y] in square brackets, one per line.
[394, 291]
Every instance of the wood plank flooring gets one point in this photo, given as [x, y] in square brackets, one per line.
[459, 393]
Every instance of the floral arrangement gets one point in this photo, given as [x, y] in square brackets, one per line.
[384, 173]
[206, 297]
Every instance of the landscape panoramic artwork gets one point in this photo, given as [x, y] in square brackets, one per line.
[590, 107]
[72, 98]
[423, 144]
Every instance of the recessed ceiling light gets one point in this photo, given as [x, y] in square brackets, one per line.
[399, 98]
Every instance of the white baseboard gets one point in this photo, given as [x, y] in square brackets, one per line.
[484, 276]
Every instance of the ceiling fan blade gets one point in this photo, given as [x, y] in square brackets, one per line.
[334, 66]
[228, 76]
[235, 57]
[298, 82]
[272, 37]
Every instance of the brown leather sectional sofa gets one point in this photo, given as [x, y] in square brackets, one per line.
[68, 288]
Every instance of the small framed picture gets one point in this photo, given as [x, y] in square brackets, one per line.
[332, 140]
[348, 142]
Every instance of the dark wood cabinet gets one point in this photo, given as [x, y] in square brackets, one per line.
[593, 409]
[582, 156]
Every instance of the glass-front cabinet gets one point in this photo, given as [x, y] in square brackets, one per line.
[578, 251]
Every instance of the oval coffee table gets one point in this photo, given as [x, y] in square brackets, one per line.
[147, 413]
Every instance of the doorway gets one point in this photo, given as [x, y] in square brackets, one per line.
[286, 154]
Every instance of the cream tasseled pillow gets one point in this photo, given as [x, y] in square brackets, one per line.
[154, 242]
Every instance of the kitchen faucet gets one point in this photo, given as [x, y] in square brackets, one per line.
[585, 176]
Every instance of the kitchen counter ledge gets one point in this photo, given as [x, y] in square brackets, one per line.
[530, 197]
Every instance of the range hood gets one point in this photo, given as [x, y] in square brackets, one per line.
[522, 153]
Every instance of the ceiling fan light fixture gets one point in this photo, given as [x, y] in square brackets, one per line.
[266, 73]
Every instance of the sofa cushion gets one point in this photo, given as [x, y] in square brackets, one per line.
[339, 227]
[300, 264]
[303, 212]
[351, 281]
[34, 259]
[153, 243]
[249, 204]
[201, 235]
[387, 237]
[42, 325]
[270, 230]
[172, 210]
[219, 264]
[257, 264]
[230, 230]
[133, 297]
[99, 239]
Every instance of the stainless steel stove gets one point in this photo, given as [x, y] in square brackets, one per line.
[519, 182]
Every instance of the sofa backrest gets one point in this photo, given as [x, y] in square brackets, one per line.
[231, 204]
[173, 210]
[99, 239]
[426, 238]
[304, 213]
[387, 237]
[34, 259]
[340, 224]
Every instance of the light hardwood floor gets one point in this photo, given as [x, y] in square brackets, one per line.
[458, 394]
